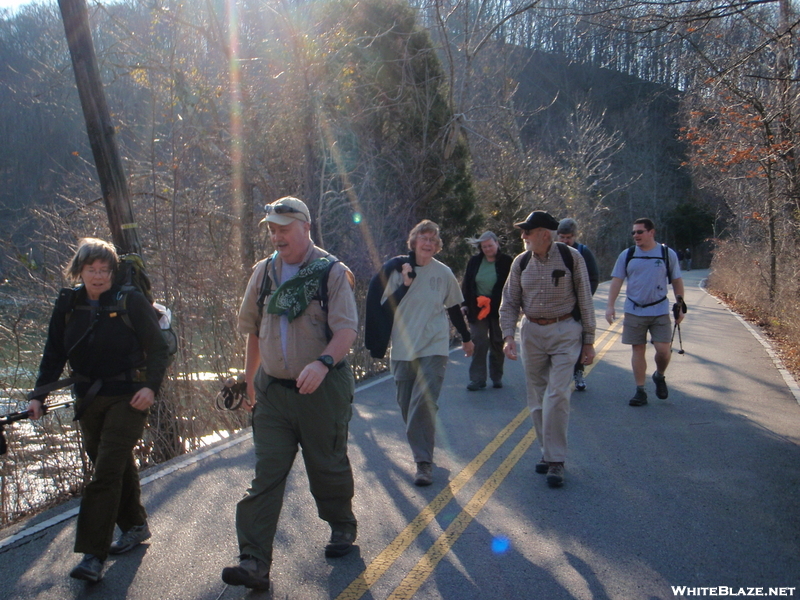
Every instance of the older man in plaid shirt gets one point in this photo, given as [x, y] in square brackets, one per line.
[557, 329]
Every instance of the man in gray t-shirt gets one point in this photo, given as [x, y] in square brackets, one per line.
[647, 306]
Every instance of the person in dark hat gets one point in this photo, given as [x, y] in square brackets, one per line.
[549, 283]
[568, 234]
[482, 287]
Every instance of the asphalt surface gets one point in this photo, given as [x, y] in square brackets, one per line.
[699, 490]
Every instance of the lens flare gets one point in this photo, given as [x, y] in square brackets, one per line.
[500, 545]
[357, 218]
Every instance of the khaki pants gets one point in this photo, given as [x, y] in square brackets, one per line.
[549, 353]
[111, 428]
[282, 419]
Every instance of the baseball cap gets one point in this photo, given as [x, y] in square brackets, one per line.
[538, 218]
[285, 210]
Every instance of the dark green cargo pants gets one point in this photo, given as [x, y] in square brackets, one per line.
[318, 422]
[111, 428]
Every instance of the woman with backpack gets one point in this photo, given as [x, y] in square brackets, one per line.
[117, 366]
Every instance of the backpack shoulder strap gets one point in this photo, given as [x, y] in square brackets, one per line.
[122, 306]
[266, 286]
[323, 286]
[664, 257]
[566, 255]
[628, 257]
[523, 262]
[569, 262]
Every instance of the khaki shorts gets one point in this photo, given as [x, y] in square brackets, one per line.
[635, 328]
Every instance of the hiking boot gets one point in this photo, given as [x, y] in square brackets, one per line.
[130, 539]
[555, 474]
[424, 474]
[580, 384]
[661, 385]
[474, 386]
[542, 466]
[341, 543]
[251, 572]
[639, 398]
[89, 569]
[497, 384]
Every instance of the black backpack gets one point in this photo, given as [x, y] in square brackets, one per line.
[131, 276]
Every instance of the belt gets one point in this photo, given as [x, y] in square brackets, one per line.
[550, 321]
[291, 384]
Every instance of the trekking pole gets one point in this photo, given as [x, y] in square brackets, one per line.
[24, 414]
[677, 308]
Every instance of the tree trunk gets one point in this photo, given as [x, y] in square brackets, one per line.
[113, 185]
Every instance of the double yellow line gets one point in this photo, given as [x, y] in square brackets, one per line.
[425, 566]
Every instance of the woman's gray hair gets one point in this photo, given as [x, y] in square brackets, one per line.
[90, 250]
[424, 226]
[486, 235]
[567, 227]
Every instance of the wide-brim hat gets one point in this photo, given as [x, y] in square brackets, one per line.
[285, 210]
[539, 218]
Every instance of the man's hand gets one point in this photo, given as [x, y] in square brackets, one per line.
[468, 348]
[143, 399]
[510, 349]
[311, 377]
[587, 354]
[36, 409]
[610, 314]
[250, 399]
[679, 309]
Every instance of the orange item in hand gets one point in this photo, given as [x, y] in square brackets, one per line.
[485, 304]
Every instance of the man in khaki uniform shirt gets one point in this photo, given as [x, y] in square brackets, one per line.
[299, 389]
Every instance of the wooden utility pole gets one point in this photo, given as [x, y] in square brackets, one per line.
[113, 185]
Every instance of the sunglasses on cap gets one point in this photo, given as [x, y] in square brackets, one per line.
[280, 209]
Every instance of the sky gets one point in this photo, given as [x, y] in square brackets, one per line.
[14, 4]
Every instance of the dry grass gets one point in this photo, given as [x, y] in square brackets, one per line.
[739, 277]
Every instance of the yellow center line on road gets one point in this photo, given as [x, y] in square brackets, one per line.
[607, 347]
[389, 555]
[424, 568]
[392, 552]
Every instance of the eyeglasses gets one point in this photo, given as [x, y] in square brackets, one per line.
[427, 240]
[638, 231]
[281, 209]
[104, 273]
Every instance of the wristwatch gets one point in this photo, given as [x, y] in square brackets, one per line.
[327, 360]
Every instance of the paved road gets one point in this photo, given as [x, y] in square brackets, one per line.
[700, 490]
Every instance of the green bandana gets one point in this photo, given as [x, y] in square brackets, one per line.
[293, 296]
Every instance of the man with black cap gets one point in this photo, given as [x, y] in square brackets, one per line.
[299, 388]
[568, 234]
[549, 284]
